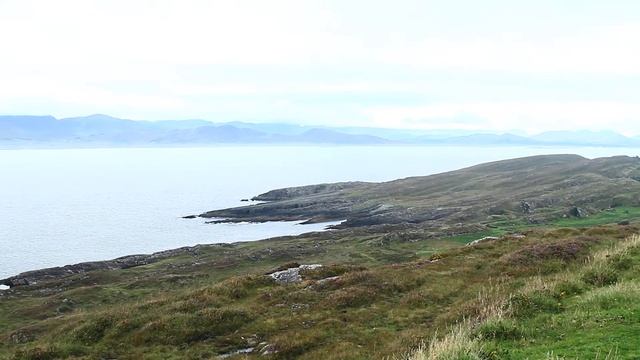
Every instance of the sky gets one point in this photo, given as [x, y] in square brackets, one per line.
[503, 66]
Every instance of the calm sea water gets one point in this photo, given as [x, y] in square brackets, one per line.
[59, 207]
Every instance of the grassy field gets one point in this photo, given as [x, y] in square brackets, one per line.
[395, 294]
[590, 310]
[608, 216]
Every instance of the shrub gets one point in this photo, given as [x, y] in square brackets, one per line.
[621, 262]
[436, 257]
[415, 299]
[422, 297]
[527, 305]
[350, 297]
[238, 287]
[213, 322]
[567, 288]
[456, 345]
[561, 250]
[620, 295]
[600, 276]
[127, 324]
[37, 353]
[499, 330]
[94, 330]
[291, 346]
[180, 328]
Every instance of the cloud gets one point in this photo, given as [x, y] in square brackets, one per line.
[612, 50]
[161, 32]
[533, 117]
[334, 59]
[91, 33]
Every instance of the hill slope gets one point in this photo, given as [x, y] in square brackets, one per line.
[533, 189]
[374, 297]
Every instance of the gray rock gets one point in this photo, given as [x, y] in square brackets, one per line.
[329, 279]
[577, 212]
[486, 238]
[21, 337]
[291, 275]
[268, 349]
[237, 352]
[517, 236]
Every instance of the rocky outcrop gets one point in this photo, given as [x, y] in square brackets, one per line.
[237, 352]
[36, 276]
[526, 207]
[291, 275]
[492, 238]
[577, 212]
[295, 192]
[484, 239]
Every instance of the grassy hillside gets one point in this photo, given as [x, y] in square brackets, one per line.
[590, 310]
[565, 287]
[534, 190]
[521, 297]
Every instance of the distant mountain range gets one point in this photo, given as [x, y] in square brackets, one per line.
[104, 130]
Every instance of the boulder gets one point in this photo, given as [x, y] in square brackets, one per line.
[291, 275]
[577, 212]
[486, 238]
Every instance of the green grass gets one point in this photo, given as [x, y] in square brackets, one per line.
[387, 300]
[601, 318]
[388, 295]
[608, 216]
[587, 311]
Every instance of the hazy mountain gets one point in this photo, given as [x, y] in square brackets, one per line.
[212, 134]
[272, 128]
[482, 139]
[31, 128]
[335, 137]
[105, 130]
[180, 124]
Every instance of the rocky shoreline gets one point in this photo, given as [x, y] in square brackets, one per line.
[531, 190]
[37, 276]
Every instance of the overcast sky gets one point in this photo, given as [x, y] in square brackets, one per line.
[489, 65]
